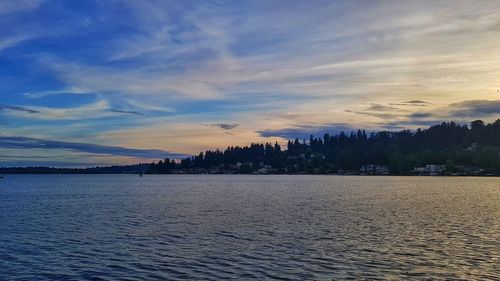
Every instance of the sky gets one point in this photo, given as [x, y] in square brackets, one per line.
[85, 83]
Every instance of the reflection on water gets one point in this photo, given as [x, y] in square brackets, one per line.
[249, 227]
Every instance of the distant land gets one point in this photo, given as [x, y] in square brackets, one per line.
[124, 169]
[444, 149]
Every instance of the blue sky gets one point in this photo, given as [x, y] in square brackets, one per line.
[107, 82]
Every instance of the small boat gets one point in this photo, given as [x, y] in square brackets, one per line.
[1, 177]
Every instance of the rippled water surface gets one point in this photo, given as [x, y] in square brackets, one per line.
[123, 227]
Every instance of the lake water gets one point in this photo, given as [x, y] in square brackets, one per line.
[201, 227]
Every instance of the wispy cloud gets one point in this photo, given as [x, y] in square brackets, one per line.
[304, 131]
[32, 143]
[224, 126]
[98, 109]
[464, 112]
[471, 109]
[128, 112]
[380, 111]
[411, 103]
[13, 6]
[22, 32]
[41, 94]
[385, 108]
[12, 41]
[380, 115]
[18, 108]
[199, 50]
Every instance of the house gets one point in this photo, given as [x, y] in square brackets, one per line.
[430, 169]
[419, 170]
[374, 169]
[434, 168]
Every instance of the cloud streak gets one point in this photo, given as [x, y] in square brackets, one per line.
[13, 6]
[18, 108]
[128, 112]
[474, 108]
[225, 126]
[410, 103]
[33, 143]
[304, 131]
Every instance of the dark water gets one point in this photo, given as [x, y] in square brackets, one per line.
[249, 228]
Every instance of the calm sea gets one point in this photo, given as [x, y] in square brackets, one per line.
[200, 227]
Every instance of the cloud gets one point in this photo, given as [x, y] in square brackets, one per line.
[97, 110]
[379, 107]
[32, 143]
[12, 41]
[409, 124]
[12, 6]
[379, 115]
[380, 111]
[304, 131]
[128, 112]
[225, 126]
[469, 109]
[422, 115]
[204, 52]
[474, 108]
[463, 112]
[18, 108]
[411, 103]
[69, 90]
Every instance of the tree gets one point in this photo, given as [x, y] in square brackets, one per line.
[447, 143]
[476, 125]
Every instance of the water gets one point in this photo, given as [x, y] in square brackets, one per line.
[123, 227]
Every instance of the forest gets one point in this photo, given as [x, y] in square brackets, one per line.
[460, 149]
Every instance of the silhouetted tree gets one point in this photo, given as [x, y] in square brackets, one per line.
[448, 143]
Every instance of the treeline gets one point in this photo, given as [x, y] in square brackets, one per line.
[128, 169]
[457, 146]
